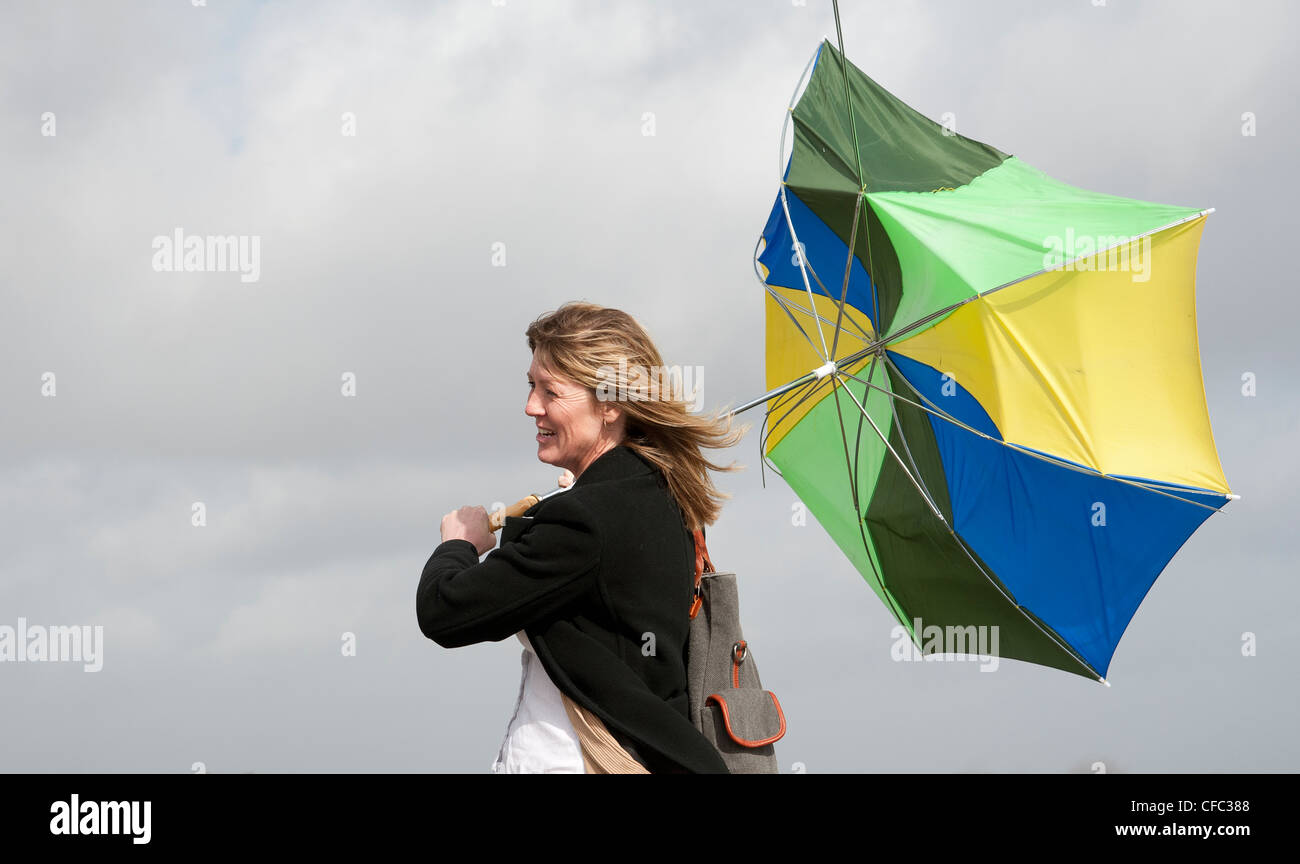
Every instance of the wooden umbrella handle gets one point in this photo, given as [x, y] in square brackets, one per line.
[498, 517]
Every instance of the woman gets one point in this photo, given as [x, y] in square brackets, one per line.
[596, 580]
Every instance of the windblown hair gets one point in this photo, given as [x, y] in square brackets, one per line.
[584, 343]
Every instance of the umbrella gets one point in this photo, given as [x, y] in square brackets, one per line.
[994, 403]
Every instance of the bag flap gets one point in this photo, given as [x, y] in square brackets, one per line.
[752, 717]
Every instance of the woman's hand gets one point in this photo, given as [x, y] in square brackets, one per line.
[469, 523]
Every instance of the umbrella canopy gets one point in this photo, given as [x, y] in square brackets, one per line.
[998, 414]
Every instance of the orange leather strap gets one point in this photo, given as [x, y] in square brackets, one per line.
[702, 565]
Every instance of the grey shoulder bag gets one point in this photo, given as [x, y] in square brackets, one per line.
[727, 701]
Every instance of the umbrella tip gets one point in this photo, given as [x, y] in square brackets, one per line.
[1104, 681]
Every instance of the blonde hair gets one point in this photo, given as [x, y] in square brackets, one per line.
[583, 342]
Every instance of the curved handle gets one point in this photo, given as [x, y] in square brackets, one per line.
[498, 517]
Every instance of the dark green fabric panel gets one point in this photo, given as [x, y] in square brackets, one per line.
[871, 246]
[900, 149]
[924, 565]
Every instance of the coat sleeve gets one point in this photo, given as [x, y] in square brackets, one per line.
[546, 567]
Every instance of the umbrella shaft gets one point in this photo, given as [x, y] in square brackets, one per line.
[774, 393]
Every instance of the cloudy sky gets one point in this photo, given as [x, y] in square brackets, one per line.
[130, 394]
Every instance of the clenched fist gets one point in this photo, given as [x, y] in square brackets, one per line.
[469, 523]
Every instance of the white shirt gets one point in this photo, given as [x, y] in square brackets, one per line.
[540, 739]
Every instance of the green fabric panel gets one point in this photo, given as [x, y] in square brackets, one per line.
[1008, 223]
[812, 460]
[900, 149]
[925, 566]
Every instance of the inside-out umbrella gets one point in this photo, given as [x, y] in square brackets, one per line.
[983, 382]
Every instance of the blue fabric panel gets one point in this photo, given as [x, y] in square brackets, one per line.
[1077, 549]
[953, 399]
[826, 252]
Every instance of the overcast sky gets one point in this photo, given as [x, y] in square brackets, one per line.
[521, 123]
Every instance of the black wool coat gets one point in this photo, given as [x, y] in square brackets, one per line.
[600, 578]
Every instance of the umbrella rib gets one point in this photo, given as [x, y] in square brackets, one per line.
[765, 433]
[803, 270]
[862, 181]
[785, 125]
[865, 337]
[857, 442]
[921, 322]
[899, 615]
[806, 393]
[815, 382]
[787, 305]
[789, 114]
[782, 302]
[871, 269]
[1061, 463]
[848, 269]
[862, 184]
[848, 99]
[960, 542]
[906, 448]
[884, 439]
[1092, 472]
[804, 265]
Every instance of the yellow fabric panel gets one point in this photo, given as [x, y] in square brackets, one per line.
[1139, 409]
[789, 356]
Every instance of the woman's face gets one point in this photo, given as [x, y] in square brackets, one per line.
[569, 418]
